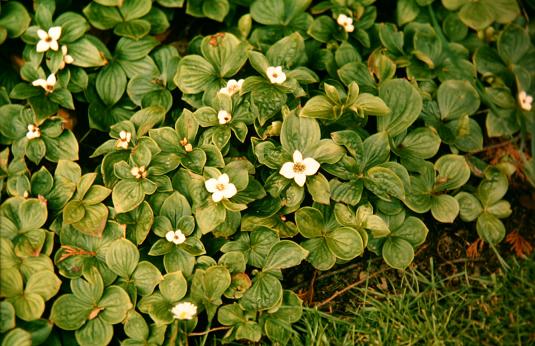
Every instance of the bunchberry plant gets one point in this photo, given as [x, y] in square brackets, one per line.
[164, 163]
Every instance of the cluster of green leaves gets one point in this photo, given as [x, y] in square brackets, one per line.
[290, 136]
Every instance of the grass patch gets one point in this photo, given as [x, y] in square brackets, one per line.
[426, 308]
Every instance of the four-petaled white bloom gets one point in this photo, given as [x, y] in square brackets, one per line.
[223, 117]
[275, 74]
[346, 22]
[124, 139]
[300, 168]
[33, 132]
[67, 59]
[220, 188]
[48, 40]
[525, 100]
[139, 172]
[184, 311]
[233, 86]
[176, 237]
[47, 84]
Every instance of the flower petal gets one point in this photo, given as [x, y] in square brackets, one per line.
[51, 80]
[223, 179]
[230, 190]
[42, 46]
[300, 179]
[297, 156]
[311, 166]
[287, 170]
[217, 196]
[54, 33]
[39, 82]
[54, 45]
[170, 235]
[43, 35]
[211, 184]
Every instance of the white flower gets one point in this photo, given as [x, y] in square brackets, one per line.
[299, 169]
[48, 40]
[525, 100]
[184, 311]
[275, 74]
[232, 87]
[124, 139]
[346, 22]
[224, 117]
[176, 237]
[67, 59]
[139, 172]
[33, 132]
[47, 84]
[220, 188]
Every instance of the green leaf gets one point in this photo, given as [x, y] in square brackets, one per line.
[86, 54]
[44, 283]
[310, 222]
[63, 147]
[320, 107]
[405, 104]
[397, 253]
[173, 286]
[320, 256]
[444, 208]
[73, 26]
[14, 19]
[32, 213]
[476, 15]
[318, 186]
[490, 228]
[111, 83]
[146, 277]
[73, 212]
[457, 99]
[384, 183]
[18, 337]
[135, 326]
[7, 316]
[453, 172]
[345, 243]
[210, 217]
[94, 332]
[265, 293]
[284, 254]
[469, 206]
[127, 195]
[215, 9]
[115, 303]
[134, 29]
[102, 17]
[422, 142]
[194, 74]
[367, 104]
[122, 257]
[10, 283]
[131, 50]
[287, 52]
[299, 133]
[29, 306]
[492, 188]
[135, 9]
[412, 230]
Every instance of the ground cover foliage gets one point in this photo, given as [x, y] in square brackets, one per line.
[166, 163]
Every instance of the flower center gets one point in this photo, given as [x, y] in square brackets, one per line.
[220, 187]
[48, 39]
[299, 167]
[275, 74]
[49, 87]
